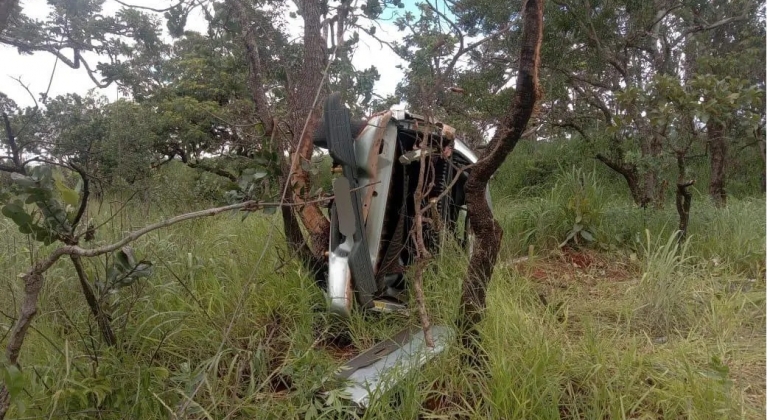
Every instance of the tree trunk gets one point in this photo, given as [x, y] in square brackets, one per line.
[33, 283]
[763, 176]
[295, 240]
[306, 115]
[255, 80]
[683, 200]
[651, 148]
[102, 319]
[5, 400]
[487, 231]
[683, 197]
[630, 174]
[658, 185]
[718, 159]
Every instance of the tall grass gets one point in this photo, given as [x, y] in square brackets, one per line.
[664, 292]
[233, 335]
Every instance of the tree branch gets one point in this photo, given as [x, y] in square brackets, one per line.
[573, 126]
[152, 9]
[703, 28]
[256, 82]
[73, 63]
[595, 101]
[594, 83]
[33, 278]
[11, 169]
[216, 171]
[610, 163]
[84, 198]
[470, 47]
[102, 319]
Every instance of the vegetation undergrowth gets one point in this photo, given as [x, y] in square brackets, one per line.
[622, 323]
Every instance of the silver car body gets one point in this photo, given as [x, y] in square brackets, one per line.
[377, 178]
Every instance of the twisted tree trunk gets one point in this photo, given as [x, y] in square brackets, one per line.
[488, 234]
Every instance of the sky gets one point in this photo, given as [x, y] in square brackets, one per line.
[35, 70]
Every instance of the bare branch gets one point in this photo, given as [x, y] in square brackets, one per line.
[592, 82]
[463, 51]
[73, 63]
[704, 28]
[455, 28]
[422, 254]
[26, 88]
[379, 40]
[50, 80]
[152, 9]
[573, 126]
[596, 101]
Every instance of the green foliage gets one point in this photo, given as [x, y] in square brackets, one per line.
[55, 205]
[581, 202]
[83, 26]
[535, 166]
[646, 106]
[587, 351]
[14, 380]
[124, 271]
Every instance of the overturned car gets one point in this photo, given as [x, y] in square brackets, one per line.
[377, 163]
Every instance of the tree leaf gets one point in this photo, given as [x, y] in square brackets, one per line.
[16, 212]
[23, 180]
[587, 235]
[69, 196]
[124, 271]
[570, 236]
[14, 381]
[123, 260]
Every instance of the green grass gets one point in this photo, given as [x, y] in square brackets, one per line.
[646, 331]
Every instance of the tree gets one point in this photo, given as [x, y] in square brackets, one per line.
[615, 56]
[72, 30]
[199, 87]
[459, 70]
[509, 131]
